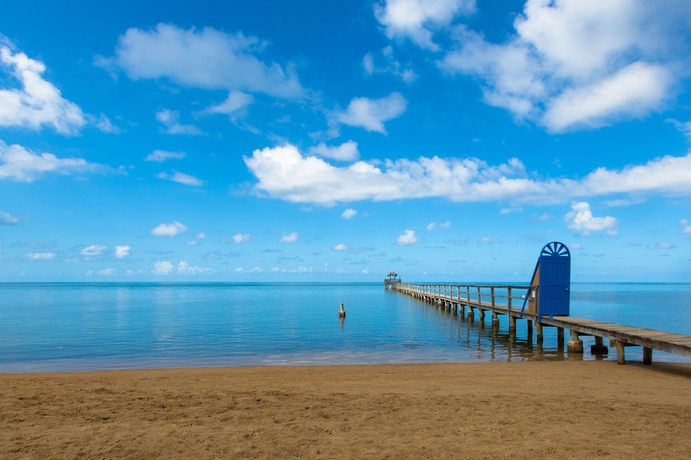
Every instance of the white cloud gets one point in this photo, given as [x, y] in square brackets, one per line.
[206, 58]
[407, 238]
[347, 151]
[191, 243]
[282, 172]
[289, 238]
[575, 246]
[170, 230]
[233, 105]
[433, 225]
[371, 114]
[341, 247]
[93, 250]
[242, 238]
[162, 268]
[105, 126]
[633, 91]
[488, 240]
[160, 156]
[181, 178]
[37, 102]
[8, 219]
[684, 128]
[122, 251]
[40, 255]
[200, 236]
[575, 64]
[417, 19]
[581, 218]
[171, 120]
[685, 226]
[184, 268]
[108, 272]
[390, 65]
[19, 164]
[665, 245]
[349, 214]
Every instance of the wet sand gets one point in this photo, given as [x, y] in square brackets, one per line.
[531, 410]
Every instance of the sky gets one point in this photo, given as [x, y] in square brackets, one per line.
[446, 140]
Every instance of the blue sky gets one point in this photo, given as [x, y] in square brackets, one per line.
[327, 141]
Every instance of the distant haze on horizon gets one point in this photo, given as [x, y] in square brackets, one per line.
[447, 140]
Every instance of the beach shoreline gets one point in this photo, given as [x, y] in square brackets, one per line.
[570, 409]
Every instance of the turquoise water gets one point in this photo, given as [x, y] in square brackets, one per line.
[60, 327]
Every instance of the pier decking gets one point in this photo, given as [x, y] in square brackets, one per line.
[518, 302]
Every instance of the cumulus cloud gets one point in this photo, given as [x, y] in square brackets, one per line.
[184, 268]
[9, 219]
[40, 255]
[581, 219]
[579, 64]
[93, 250]
[289, 238]
[418, 19]
[104, 124]
[433, 225]
[162, 267]
[20, 164]
[122, 251]
[181, 178]
[371, 114]
[170, 119]
[207, 58]
[170, 230]
[685, 226]
[242, 238]
[160, 156]
[38, 102]
[407, 238]
[341, 247]
[347, 151]
[388, 64]
[108, 272]
[282, 172]
[233, 105]
[349, 214]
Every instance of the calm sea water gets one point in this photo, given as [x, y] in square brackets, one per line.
[60, 327]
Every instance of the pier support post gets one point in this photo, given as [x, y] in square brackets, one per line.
[471, 314]
[482, 315]
[529, 330]
[647, 355]
[575, 344]
[538, 337]
[512, 324]
[599, 348]
[462, 311]
[560, 337]
[621, 355]
[495, 320]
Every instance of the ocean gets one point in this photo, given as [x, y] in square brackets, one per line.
[97, 326]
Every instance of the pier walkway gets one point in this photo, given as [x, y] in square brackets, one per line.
[519, 302]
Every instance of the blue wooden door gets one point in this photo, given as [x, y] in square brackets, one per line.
[555, 280]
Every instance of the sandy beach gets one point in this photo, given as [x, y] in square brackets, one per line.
[572, 409]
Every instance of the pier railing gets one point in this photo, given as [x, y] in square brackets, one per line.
[507, 296]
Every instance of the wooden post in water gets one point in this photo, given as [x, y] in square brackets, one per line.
[575, 344]
[599, 348]
[560, 337]
[538, 331]
[512, 324]
[530, 330]
[647, 355]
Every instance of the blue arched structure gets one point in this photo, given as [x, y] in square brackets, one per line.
[549, 293]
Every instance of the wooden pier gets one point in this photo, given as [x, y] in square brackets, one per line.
[519, 302]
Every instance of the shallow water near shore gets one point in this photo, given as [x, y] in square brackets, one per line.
[87, 326]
